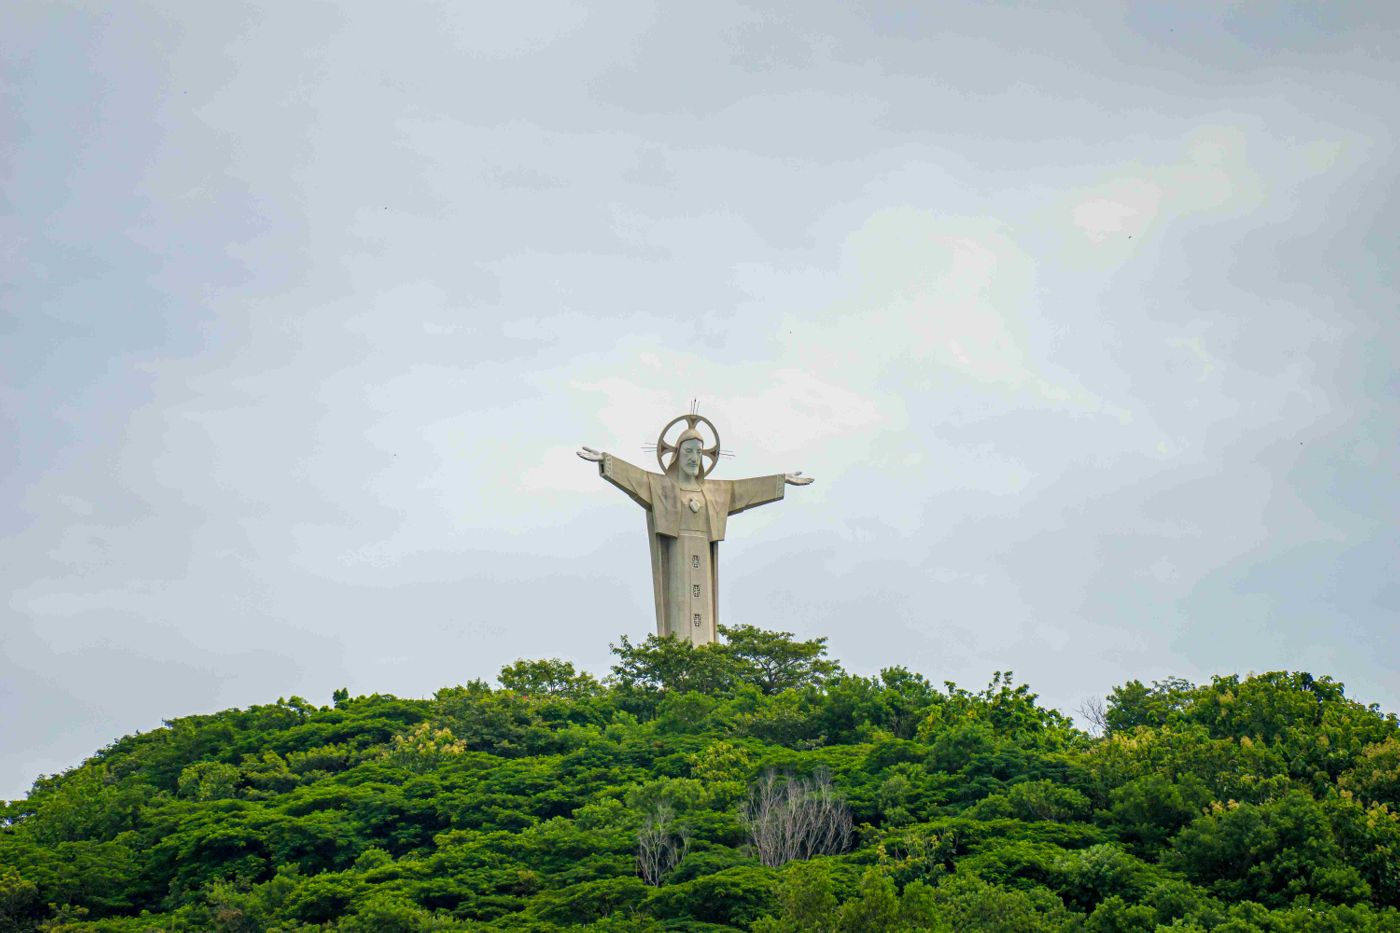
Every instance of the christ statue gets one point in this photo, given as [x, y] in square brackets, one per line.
[686, 516]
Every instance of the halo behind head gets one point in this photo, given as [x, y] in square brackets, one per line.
[692, 432]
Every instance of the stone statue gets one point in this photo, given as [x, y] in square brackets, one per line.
[686, 517]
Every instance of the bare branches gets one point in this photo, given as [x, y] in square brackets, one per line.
[795, 818]
[1095, 715]
[661, 844]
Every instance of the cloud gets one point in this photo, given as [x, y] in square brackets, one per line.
[1212, 176]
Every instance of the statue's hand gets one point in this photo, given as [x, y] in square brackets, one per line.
[793, 479]
[588, 453]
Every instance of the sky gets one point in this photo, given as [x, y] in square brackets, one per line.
[1083, 317]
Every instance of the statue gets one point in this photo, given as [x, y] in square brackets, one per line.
[686, 517]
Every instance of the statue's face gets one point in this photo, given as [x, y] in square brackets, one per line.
[690, 458]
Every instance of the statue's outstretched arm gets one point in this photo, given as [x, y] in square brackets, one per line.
[755, 491]
[795, 479]
[632, 480]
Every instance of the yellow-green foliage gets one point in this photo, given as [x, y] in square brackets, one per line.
[1257, 803]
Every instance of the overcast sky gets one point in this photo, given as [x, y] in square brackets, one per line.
[1085, 323]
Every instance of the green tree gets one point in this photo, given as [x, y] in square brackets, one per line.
[903, 701]
[1270, 852]
[805, 894]
[387, 912]
[663, 664]
[1046, 800]
[774, 661]
[1375, 776]
[19, 902]
[209, 780]
[1148, 810]
[964, 903]
[1134, 704]
[875, 906]
[551, 677]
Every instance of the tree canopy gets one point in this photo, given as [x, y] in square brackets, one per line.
[555, 800]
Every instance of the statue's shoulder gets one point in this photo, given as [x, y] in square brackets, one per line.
[719, 491]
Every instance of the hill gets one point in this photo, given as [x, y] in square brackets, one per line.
[752, 784]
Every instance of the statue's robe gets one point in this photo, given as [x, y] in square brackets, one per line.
[685, 539]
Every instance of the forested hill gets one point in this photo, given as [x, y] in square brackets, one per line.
[750, 785]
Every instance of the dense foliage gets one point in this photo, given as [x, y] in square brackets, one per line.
[1258, 803]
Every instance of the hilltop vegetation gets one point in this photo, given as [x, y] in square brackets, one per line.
[1258, 803]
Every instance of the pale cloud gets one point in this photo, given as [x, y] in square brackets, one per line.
[1195, 346]
[517, 32]
[931, 297]
[1323, 155]
[1121, 207]
[1212, 175]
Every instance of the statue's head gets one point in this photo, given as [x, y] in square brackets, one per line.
[688, 456]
